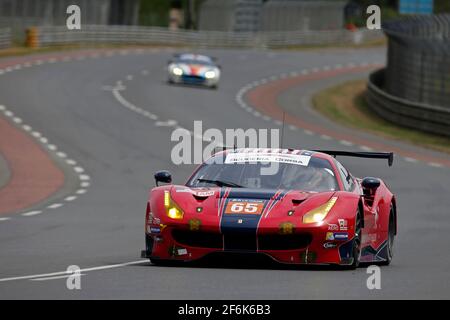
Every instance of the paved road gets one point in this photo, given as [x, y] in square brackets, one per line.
[114, 136]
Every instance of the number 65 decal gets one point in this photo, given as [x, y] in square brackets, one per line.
[243, 207]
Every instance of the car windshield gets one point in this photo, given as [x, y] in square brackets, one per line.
[195, 59]
[198, 62]
[316, 176]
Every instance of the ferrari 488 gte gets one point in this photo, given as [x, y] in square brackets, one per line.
[294, 206]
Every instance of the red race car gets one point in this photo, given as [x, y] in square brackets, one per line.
[295, 206]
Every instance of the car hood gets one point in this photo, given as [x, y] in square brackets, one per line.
[217, 201]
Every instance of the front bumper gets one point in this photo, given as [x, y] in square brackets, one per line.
[304, 245]
[193, 80]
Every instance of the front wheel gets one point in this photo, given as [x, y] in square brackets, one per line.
[357, 241]
[390, 240]
[356, 244]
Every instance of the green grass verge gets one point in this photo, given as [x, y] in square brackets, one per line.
[346, 105]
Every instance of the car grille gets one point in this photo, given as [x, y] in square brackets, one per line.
[193, 79]
[284, 242]
[198, 239]
[241, 241]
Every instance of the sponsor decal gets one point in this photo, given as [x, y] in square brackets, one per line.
[340, 235]
[204, 193]
[177, 251]
[267, 158]
[333, 227]
[240, 206]
[287, 228]
[156, 220]
[329, 236]
[194, 224]
[240, 221]
[329, 245]
[342, 224]
[155, 230]
[198, 193]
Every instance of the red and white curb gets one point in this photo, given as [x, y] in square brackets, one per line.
[248, 108]
[83, 177]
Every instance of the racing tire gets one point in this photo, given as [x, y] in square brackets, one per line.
[356, 247]
[390, 240]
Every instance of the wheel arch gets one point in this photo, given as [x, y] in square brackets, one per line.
[394, 209]
[361, 211]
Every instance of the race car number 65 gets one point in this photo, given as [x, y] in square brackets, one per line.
[246, 207]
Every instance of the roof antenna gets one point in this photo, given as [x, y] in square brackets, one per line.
[282, 129]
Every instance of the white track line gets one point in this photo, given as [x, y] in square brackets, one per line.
[44, 141]
[60, 273]
[56, 277]
[31, 213]
[55, 206]
[243, 90]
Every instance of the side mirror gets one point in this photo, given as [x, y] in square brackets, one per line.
[370, 185]
[163, 176]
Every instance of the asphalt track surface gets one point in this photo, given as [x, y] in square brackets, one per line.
[93, 109]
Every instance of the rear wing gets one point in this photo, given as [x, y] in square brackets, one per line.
[373, 155]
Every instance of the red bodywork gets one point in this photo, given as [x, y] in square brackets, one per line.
[280, 232]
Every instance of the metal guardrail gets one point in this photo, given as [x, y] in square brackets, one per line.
[99, 34]
[419, 59]
[5, 38]
[425, 117]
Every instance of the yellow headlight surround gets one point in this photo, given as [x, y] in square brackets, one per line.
[173, 211]
[318, 214]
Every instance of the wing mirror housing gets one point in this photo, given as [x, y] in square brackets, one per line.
[163, 176]
[370, 185]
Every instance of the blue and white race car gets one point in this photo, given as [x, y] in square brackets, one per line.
[194, 69]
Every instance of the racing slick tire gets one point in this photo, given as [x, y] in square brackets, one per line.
[356, 247]
[391, 238]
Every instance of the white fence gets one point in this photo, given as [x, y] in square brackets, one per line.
[5, 38]
[99, 34]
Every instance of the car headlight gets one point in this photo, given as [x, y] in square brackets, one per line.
[177, 71]
[210, 74]
[318, 214]
[172, 209]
